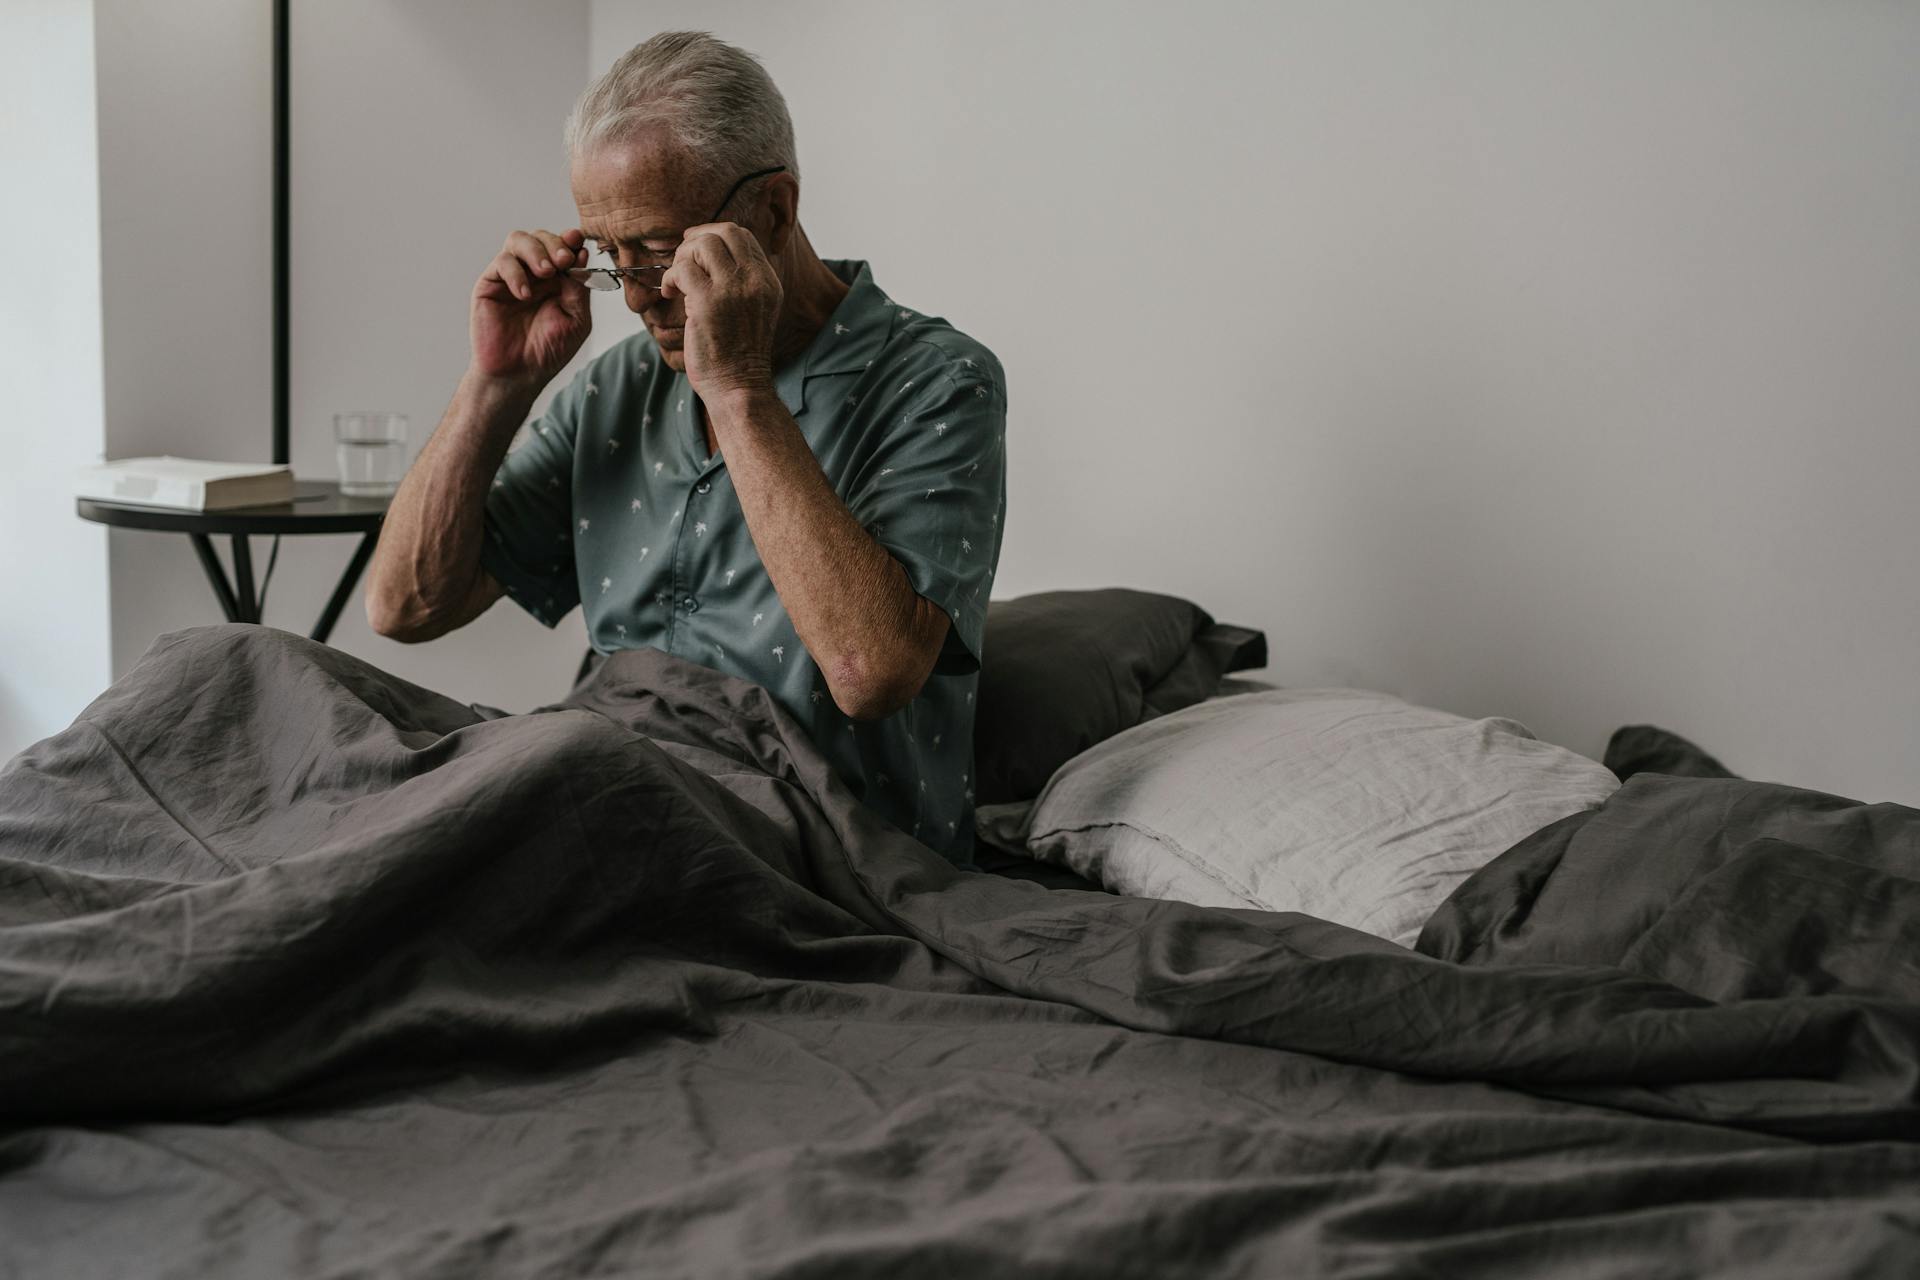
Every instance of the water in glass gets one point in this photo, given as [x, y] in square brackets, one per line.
[372, 450]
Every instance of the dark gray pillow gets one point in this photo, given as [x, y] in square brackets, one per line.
[1645, 748]
[1064, 670]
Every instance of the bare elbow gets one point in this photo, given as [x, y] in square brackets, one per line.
[867, 690]
[866, 707]
[393, 623]
[400, 618]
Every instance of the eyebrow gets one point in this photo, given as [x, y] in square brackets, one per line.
[635, 240]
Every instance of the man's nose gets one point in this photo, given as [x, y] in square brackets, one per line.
[639, 296]
[648, 304]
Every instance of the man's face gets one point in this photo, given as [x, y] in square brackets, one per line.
[635, 199]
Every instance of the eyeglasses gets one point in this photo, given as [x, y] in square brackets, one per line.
[606, 278]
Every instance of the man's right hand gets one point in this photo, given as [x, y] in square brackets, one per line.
[529, 316]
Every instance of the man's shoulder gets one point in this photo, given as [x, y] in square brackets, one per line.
[905, 343]
[928, 346]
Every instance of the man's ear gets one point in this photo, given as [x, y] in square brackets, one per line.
[783, 212]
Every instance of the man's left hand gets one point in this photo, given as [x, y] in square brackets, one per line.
[733, 301]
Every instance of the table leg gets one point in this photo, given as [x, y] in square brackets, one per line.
[243, 580]
[216, 576]
[355, 567]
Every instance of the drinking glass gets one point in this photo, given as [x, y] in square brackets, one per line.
[372, 448]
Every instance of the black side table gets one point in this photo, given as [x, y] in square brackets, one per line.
[316, 508]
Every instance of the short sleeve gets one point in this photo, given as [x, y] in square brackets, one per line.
[528, 545]
[934, 496]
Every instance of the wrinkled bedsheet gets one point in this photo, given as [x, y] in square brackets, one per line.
[308, 971]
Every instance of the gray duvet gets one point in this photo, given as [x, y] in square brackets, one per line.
[307, 971]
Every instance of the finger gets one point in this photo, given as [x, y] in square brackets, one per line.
[558, 251]
[687, 275]
[708, 248]
[533, 251]
[511, 272]
[739, 241]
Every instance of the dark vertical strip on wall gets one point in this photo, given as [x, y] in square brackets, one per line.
[282, 444]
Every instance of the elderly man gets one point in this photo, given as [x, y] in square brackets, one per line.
[789, 477]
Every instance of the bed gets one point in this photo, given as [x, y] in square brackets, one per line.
[309, 971]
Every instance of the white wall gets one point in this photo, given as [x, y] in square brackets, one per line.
[53, 567]
[422, 132]
[1548, 359]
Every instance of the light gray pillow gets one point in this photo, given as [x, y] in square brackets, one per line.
[1354, 806]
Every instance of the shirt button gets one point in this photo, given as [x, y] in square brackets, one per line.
[690, 604]
[702, 487]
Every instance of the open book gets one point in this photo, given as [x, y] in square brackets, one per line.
[188, 483]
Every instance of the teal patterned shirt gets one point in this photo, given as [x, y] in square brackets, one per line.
[612, 503]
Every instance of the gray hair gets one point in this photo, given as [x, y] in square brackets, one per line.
[712, 98]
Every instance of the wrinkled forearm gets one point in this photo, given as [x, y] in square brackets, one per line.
[425, 578]
[852, 605]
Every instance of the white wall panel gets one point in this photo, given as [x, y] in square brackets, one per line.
[1547, 359]
[422, 133]
[53, 567]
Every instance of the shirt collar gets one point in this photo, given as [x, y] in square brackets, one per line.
[852, 338]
